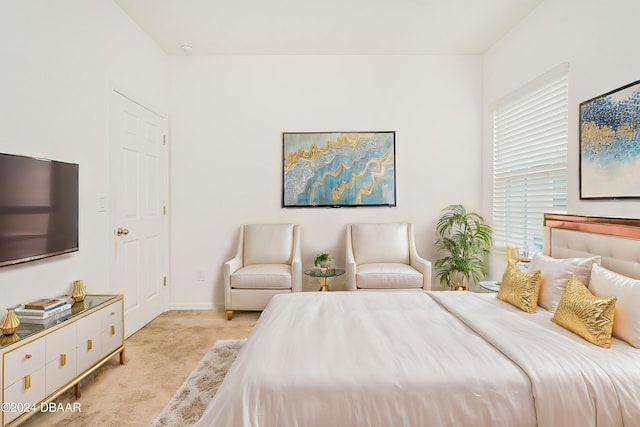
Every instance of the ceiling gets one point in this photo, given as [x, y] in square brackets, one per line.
[327, 27]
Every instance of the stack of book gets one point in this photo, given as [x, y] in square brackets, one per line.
[45, 311]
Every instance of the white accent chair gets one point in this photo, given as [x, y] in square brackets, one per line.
[384, 257]
[267, 263]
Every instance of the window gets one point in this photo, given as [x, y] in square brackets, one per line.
[530, 133]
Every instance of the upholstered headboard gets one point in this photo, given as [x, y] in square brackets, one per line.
[616, 240]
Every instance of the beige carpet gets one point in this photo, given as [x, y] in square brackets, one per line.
[191, 399]
[158, 359]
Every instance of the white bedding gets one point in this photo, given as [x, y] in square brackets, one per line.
[420, 359]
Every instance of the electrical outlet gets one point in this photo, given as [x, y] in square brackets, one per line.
[102, 203]
[200, 275]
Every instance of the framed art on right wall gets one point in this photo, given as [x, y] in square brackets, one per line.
[610, 144]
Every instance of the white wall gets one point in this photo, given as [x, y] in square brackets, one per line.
[226, 122]
[600, 41]
[60, 61]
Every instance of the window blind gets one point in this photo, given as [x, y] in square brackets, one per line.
[530, 133]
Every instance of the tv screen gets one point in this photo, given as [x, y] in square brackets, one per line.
[38, 208]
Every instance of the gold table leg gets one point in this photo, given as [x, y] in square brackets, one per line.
[325, 286]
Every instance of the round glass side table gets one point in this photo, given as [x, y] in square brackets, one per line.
[490, 285]
[323, 274]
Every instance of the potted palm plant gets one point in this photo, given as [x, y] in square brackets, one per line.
[466, 239]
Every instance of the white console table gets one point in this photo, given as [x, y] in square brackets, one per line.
[40, 362]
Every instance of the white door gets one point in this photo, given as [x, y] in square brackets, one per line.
[139, 193]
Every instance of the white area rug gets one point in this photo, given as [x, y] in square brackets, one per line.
[191, 399]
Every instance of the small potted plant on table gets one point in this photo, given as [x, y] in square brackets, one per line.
[322, 260]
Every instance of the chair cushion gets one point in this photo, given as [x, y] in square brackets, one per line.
[380, 243]
[262, 276]
[388, 276]
[268, 243]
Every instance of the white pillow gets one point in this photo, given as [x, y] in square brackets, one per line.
[555, 274]
[626, 320]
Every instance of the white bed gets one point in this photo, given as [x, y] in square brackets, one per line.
[433, 358]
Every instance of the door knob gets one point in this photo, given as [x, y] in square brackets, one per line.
[122, 231]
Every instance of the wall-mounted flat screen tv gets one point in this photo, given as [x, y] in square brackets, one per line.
[38, 208]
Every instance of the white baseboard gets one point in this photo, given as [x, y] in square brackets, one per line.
[197, 306]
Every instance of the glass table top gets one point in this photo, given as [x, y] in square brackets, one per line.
[27, 329]
[324, 272]
[490, 285]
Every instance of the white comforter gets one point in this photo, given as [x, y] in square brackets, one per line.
[421, 359]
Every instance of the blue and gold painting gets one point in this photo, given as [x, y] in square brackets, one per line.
[339, 169]
[610, 145]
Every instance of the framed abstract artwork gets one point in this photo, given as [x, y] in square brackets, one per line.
[610, 145]
[338, 169]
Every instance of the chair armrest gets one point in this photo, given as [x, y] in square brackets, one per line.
[228, 269]
[424, 267]
[296, 262]
[419, 263]
[231, 266]
[350, 264]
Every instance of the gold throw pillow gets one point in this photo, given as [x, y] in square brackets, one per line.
[585, 314]
[513, 254]
[520, 288]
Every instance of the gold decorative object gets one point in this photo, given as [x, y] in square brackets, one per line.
[77, 307]
[459, 281]
[9, 339]
[78, 291]
[10, 323]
